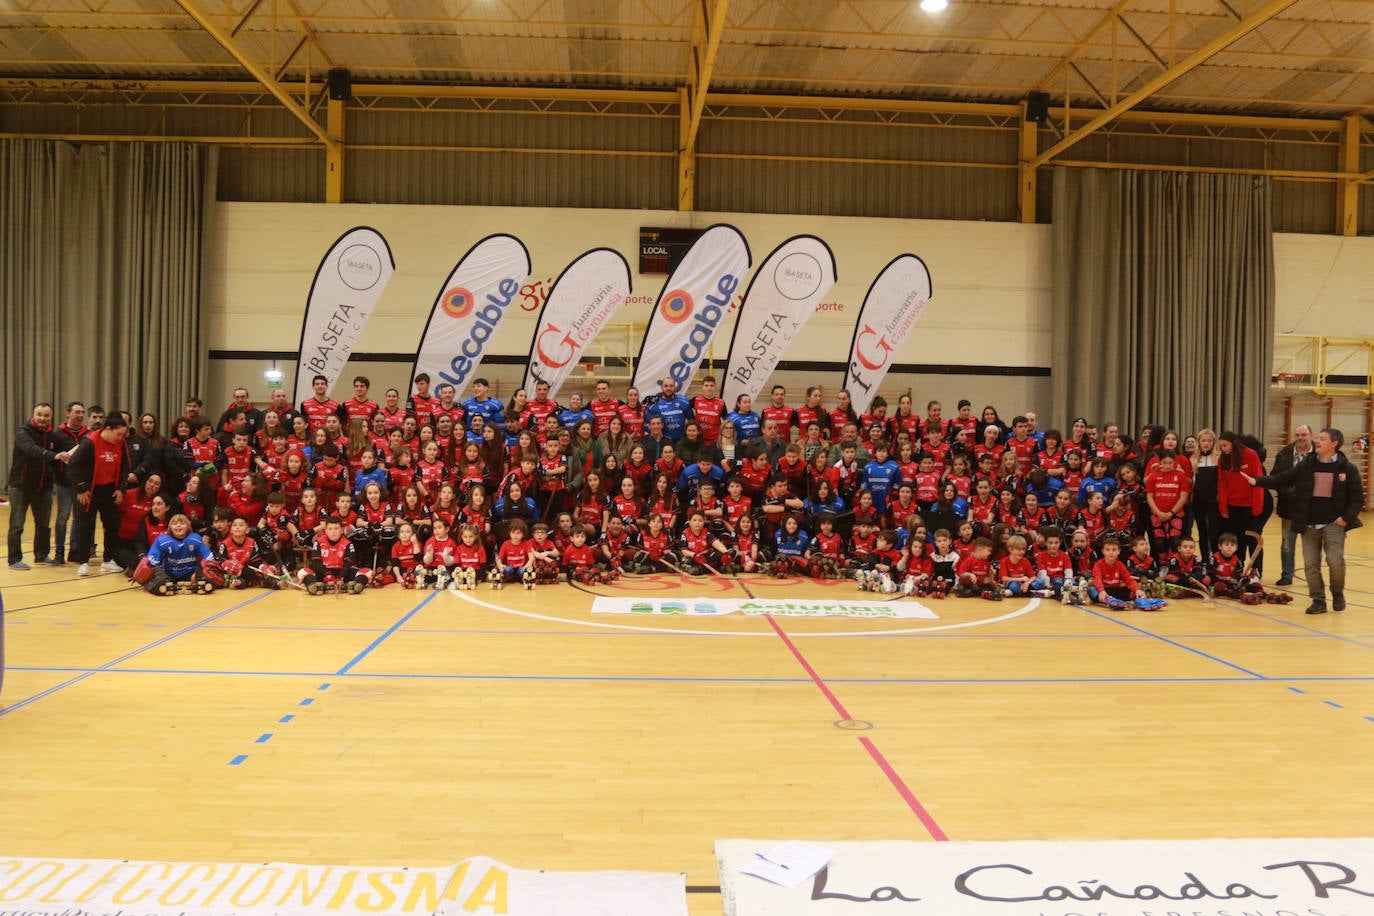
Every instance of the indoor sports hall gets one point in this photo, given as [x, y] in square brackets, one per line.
[1047, 234]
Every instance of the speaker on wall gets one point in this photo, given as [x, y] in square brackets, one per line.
[340, 85]
[1038, 107]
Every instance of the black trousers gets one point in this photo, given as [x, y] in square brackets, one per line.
[102, 503]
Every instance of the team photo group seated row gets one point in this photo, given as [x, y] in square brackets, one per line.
[430, 490]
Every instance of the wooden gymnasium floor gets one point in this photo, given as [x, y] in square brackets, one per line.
[421, 728]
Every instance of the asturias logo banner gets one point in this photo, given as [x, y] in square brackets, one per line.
[691, 307]
[471, 303]
[347, 286]
[584, 298]
[890, 310]
[782, 295]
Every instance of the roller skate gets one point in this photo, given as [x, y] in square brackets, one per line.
[1150, 604]
[470, 578]
[1278, 598]
[1116, 604]
[204, 586]
[419, 578]
[315, 588]
[357, 586]
[529, 577]
[861, 579]
[993, 593]
[908, 586]
[494, 578]
[885, 584]
[1251, 598]
[939, 589]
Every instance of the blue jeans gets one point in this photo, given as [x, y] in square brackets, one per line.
[22, 502]
[1288, 551]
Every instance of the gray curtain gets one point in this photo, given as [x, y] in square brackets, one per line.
[1163, 299]
[100, 275]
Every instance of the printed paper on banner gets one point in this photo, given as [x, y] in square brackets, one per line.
[89, 887]
[347, 286]
[890, 310]
[905, 609]
[584, 298]
[691, 307]
[782, 295]
[1313, 877]
[473, 300]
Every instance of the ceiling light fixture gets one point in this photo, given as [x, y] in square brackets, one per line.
[934, 6]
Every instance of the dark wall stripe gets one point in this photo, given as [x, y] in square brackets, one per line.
[793, 365]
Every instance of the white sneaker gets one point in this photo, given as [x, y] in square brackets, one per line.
[84, 569]
[110, 566]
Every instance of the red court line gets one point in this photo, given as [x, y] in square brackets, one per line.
[893, 776]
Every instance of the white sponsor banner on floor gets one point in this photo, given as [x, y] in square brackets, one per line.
[905, 609]
[1289, 877]
[102, 887]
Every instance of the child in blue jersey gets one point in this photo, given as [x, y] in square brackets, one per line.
[793, 549]
[177, 556]
[370, 472]
[882, 475]
[1097, 482]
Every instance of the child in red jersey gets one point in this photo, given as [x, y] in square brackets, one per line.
[471, 556]
[654, 550]
[333, 561]
[579, 559]
[1016, 572]
[746, 544]
[441, 552]
[1053, 565]
[615, 545]
[974, 572]
[827, 550]
[276, 530]
[406, 554]
[513, 555]
[544, 554]
[1112, 583]
[1186, 569]
[919, 569]
[1167, 490]
[1144, 565]
[862, 541]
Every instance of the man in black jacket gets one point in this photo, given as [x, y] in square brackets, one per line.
[30, 484]
[1288, 456]
[1327, 498]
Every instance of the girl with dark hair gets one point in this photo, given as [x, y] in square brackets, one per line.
[1240, 503]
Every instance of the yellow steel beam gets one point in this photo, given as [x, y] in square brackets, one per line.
[710, 27]
[1348, 191]
[1027, 176]
[277, 90]
[1189, 63]
[1082, 46]
[334, 153]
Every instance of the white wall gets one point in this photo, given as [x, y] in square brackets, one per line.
[991, 304]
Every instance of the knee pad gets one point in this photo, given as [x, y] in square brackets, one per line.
[212, 572]
[157, 581]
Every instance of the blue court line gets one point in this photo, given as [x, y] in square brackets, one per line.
[1296, 690]
[263, 738]
[306, 702]
[1301, 626]
[632, 679]
[238, 760]
[391, 629]
[109, 666]
[284, 719]
[1333, 704]
[1178, 645]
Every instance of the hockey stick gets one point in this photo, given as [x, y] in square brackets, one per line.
[283, 577]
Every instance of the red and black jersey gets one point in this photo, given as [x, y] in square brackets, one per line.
[374, 515]
[536, 411]
[549, 482]
[639, 473]
[927, 487]
[941, 424]
[406, 556]
[381, 444]
[627, 508]
[330, 481]
[1142, 567]
[448, 513]
[1121, 518]
[784, 416]
[615, 543]
[316, 412]
[470, 556]
[416, 516]
[332, 555]
[1072, 479]
[193, 507]
[1083, 559]
[1008, 515]
[695, 544]
[708, 412]
[513, 554]
[1168, 489]
[421, 407]
[794, 471]
[984, 510]
[307, 521]
[891, 557]
[634, 420]
[441, 551]
[862, 546]
[978, 568]
[402, 478]
[664, 505]
[838, 419]
[671, 468]
[248, 507]
[898, 512]
[1016, 483]
[655, 545]
[279, 523]
[908, 470]
[197, 452]
[1025, 450]
[1226, 567]
[602, 411]
[349, 519]
[432, 476]
[1180, 569]
[939, 452]
[578, 558]
[275, 462]
[746, 544]
[969, 426]
[291, 485]
[468, 474]
[1032, 519]
[1113, 575]
[1095, 523]
[360, 410]
[393, 419]
[1057, 565]
[478, 518]
[239, 463]
[753, 479]
[805, 416]
[711, 507]
[830, 546]
[590, 508]
[454, 412]
[963, 485]
[239, 555]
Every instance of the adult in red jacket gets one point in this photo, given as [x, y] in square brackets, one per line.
[1241, 503]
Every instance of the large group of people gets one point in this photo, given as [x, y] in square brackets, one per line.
[424, 487]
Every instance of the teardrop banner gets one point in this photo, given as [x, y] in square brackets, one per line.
[586, 295]
[691, 307]
[782, 295]
[894, 303]
[471, 303]
[347, 286]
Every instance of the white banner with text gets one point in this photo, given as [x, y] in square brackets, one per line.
[1287, 877]
[348, 284]
[891, 308]
[472, 302]
[783, 294]
[586, 295]
[904, 609]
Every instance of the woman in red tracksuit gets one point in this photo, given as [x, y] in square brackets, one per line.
[1240, 503]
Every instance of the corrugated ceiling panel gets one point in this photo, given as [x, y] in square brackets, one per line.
[286, 175]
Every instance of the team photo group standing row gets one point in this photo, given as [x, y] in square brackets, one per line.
[359, 493]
